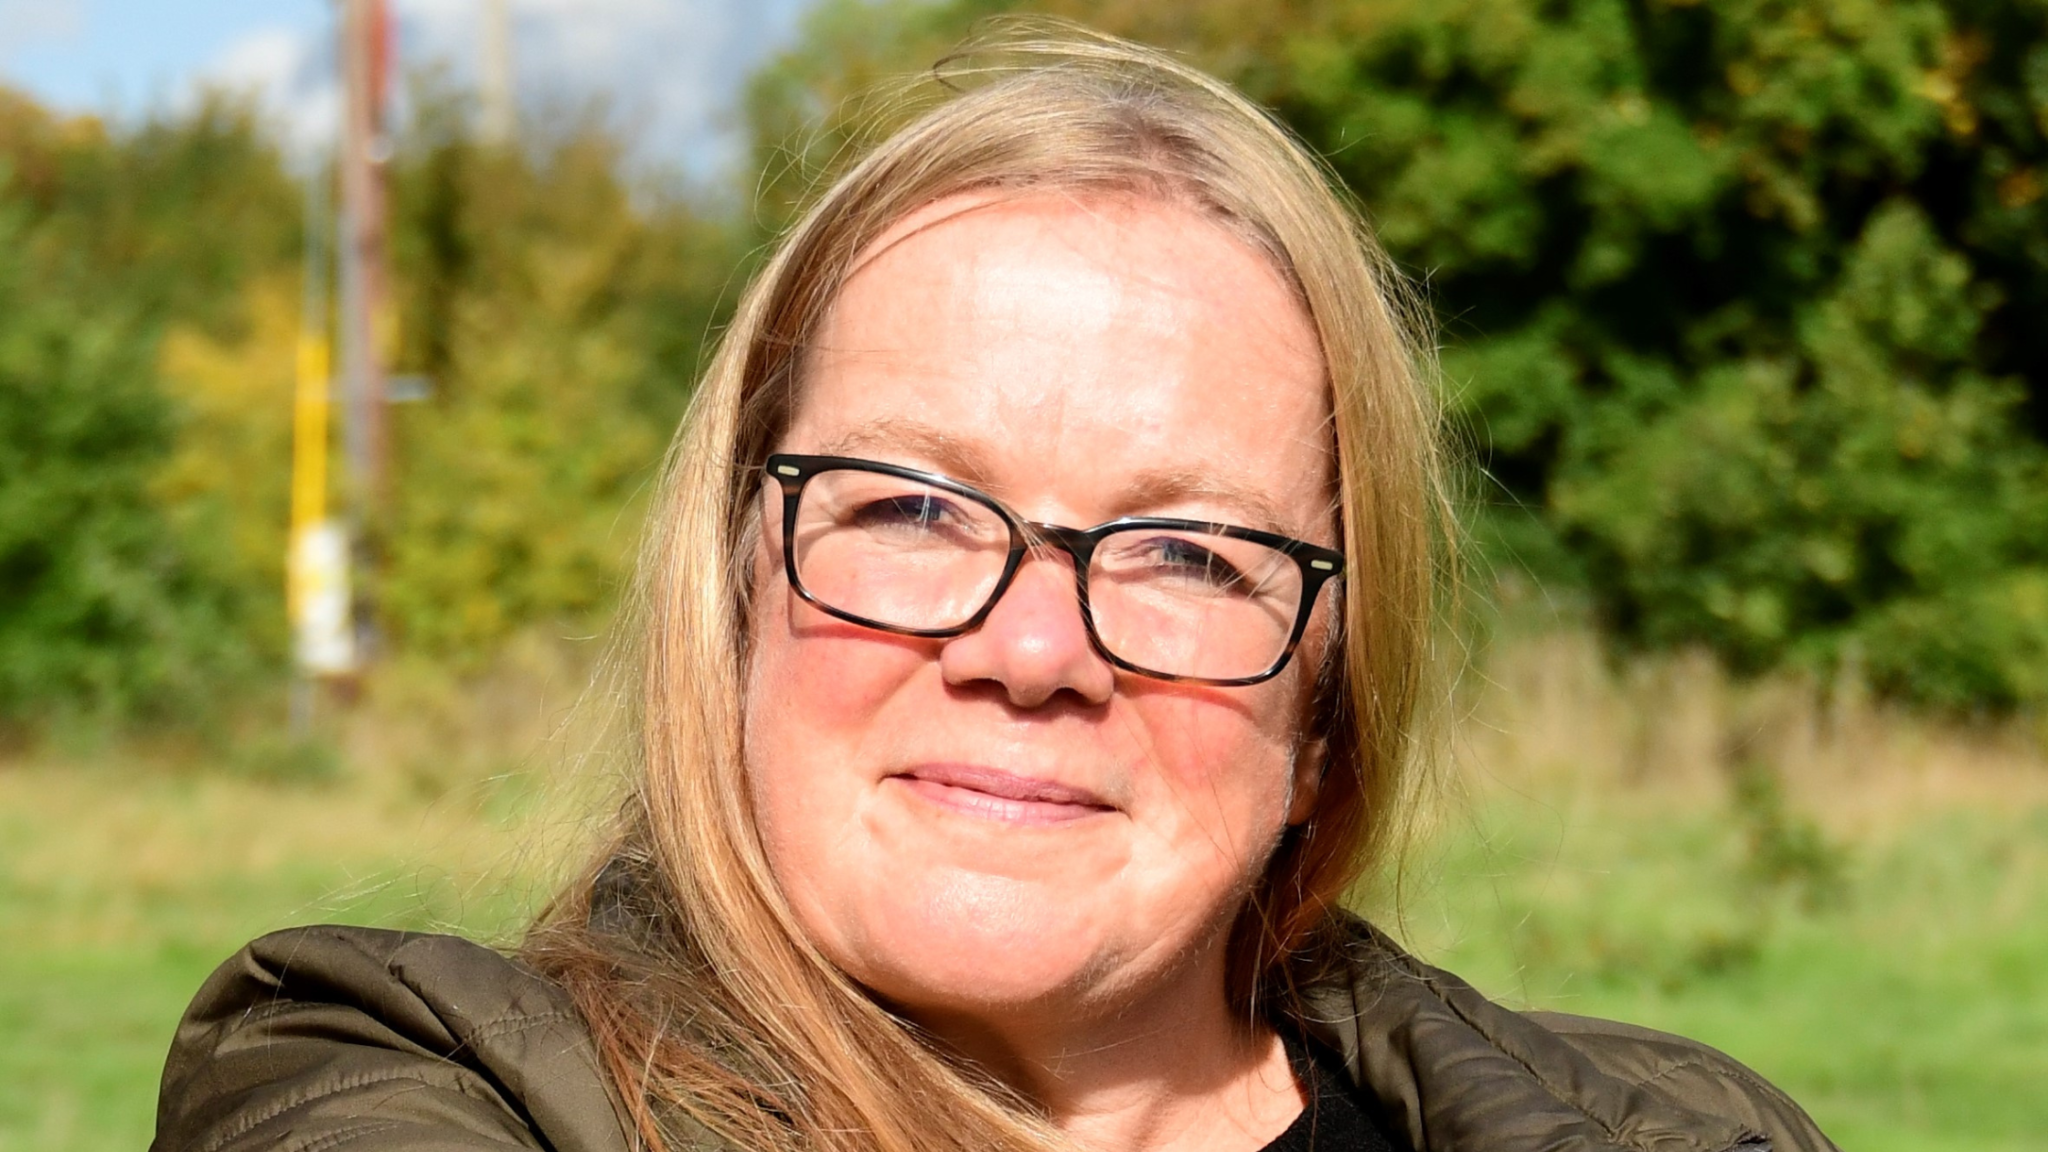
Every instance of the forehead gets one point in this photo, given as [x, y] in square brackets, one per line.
[1076, 351]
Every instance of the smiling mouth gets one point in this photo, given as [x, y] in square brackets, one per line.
[1002, 796]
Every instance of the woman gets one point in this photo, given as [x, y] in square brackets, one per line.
[962, 824]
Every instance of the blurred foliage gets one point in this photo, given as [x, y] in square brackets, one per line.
[560, 310]
[150, 287]
[109, 610]
[1785, 850]
[225, 483]
[1742, 307]
[1742, 301]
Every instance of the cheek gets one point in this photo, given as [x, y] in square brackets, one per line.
[1221, 773]
[815, 691]
[807, 687]
[810, 675]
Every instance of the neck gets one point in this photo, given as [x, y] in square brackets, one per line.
[1173, 1072]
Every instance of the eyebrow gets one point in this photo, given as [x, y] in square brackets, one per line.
[963, 460]
[950, 454]
[1157, 487]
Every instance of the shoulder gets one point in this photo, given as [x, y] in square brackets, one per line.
[331, 1037]
[1688, 1071]
[1454, 1069]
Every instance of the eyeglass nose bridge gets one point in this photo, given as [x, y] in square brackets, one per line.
[1077, 543]
[1037, 535]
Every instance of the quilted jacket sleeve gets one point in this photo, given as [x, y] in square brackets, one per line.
[1703, 1077]
[347, 1038]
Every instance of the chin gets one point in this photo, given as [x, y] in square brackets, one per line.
[977, 944]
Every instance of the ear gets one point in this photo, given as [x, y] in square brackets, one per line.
[1307, 788]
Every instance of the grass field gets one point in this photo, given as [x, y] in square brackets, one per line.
[1907, 1008]
[1854, 903]
[120, 889]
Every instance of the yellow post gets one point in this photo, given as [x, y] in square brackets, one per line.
[309, 464]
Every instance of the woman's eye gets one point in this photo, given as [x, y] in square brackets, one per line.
[911, 510]
[1184, 559]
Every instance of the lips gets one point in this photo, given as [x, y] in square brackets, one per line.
[997, 795]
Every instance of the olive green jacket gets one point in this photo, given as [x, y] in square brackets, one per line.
[324, 1039]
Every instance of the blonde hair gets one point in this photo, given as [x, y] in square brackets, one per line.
[707, 1003]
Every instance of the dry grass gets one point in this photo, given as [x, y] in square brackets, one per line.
[1550, 709]
[477, 790]
[1848, 896]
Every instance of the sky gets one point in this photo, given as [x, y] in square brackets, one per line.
[669, 68]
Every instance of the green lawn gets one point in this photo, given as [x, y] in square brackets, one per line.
[121, 890]
[1897, 984]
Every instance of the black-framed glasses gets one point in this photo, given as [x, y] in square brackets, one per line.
[919, 554]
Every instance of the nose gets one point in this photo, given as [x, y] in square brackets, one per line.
[1033, 644]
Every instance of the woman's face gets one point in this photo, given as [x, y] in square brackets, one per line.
[1001, 827]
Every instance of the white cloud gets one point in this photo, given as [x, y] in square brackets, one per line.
[291, 75]
[670, 70]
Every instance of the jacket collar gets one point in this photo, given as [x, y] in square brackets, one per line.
[1459, 1073]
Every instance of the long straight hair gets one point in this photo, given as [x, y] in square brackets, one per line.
[711, 1010]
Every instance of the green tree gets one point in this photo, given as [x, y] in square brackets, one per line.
[560, 307]
[104, 613]
[1741, 301]
[123, 595]
[148, 276]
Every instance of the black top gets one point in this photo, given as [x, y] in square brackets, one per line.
[1334, 1119]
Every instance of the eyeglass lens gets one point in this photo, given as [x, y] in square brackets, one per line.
[905, 554]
